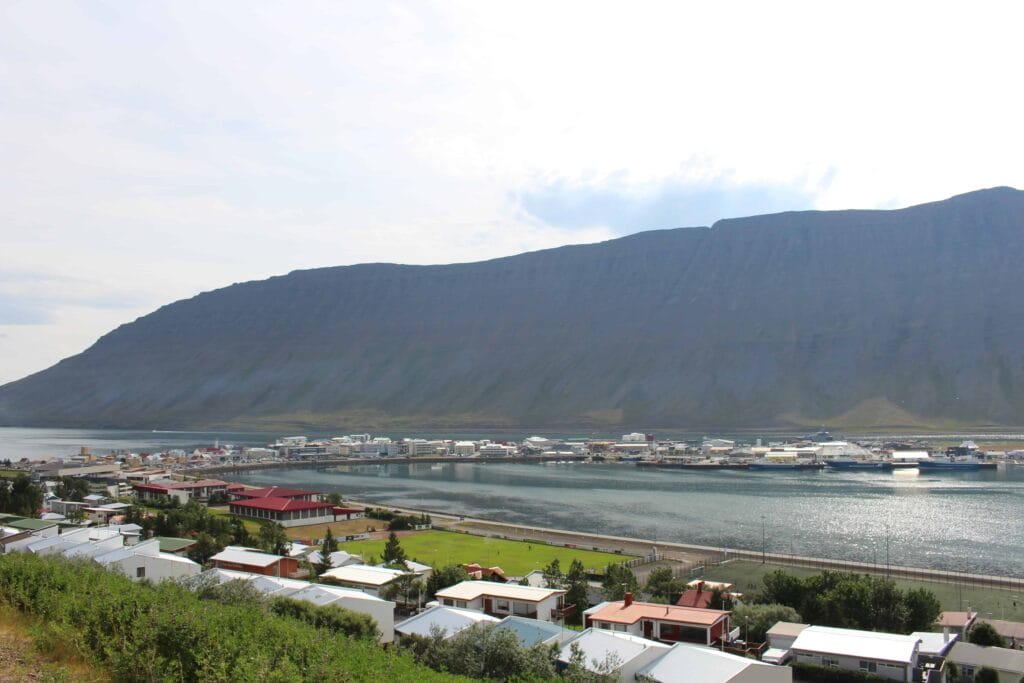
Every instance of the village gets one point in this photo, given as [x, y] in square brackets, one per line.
[630, 616]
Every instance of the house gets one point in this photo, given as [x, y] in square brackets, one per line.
[287, 512]
[448, 620]
[371, 580]
[667, 623]
[970, 659]
[103, 514]
[42, 528]
[503, 599]
[607, 652]
[781, 637]
[182, 490]
[475, 571]
[174, 546]
[1013, 631]
[338, 558]
[255, 562]
[956, 622]
[934, 647]
[382, 611]
[348, 513]
[532, 632]
[145, 561]
[700, 593]
[69, 508]
[883, 654]
[685, 662]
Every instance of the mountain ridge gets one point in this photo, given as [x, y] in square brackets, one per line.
[763, 321]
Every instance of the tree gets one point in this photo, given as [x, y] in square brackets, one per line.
[553, 576]
[663, 585]
[71, 488]
[393, 552]
[329, 546]
[922, 609]
[986, 674]
[484, 652]
[755, 620]
[406, 589]
[440, 579]
[618, 580]
[984, 634]
[205, 547]
[595, 671]
[719, 599]
[577, 591]
[21, 497]
[334, 498]
[274, 539]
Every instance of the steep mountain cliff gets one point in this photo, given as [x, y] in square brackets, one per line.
[852, 318]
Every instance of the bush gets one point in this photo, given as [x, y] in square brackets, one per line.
[823, 674]
[140, 632]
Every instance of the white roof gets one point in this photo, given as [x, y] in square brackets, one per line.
[364, 574]
[239, 555]
[685, 663]
[935, 643]
[338, 558]
[887, 647]
[786, 628]
[325, 595]
[451, 620]
[471, 590]
[1000, 658]
[596, 644]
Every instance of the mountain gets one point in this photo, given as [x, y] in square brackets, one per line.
[912, 317]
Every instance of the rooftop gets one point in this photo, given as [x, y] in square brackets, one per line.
[955, 619]
[597, 644]
[619, 613]
[531, 631]
[1000, 658]
[471, 590]
[844, 642]
[787, 628]
[274, 492]
[685, 662]
[363, 574]
[30, 524]
[935, 643]
[279, 504]
[169, 544]
[239, 555]
[451, 620]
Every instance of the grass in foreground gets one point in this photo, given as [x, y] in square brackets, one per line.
[517, 558]
[990, 603]
[24, 658]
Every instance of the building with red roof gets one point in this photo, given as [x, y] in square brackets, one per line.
[667, 623]
[285, 511]
[183, 490]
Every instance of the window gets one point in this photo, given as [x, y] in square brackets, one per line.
[869, 667]
[619, 627]
[830, 662]
[501, 605]
[140, 572]
[448, 602]
[521, 608]
[460, 603]
[604, 625]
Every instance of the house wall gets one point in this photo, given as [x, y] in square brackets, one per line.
[764, 674]
[284, 567]
[382, 612]
[157, 568]
[885, 670]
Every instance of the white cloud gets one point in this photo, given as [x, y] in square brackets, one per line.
[153, 151]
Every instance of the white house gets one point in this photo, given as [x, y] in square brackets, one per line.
[448, 620]
[504, 599]
[145, 561]
[667, 623]
[970, 659]
[382, 611]
[685, 662]
[371, 580]
[608, 652]
[884, 654]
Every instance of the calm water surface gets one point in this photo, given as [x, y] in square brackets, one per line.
[967, 521]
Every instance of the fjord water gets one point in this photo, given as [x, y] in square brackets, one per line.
[964, 521]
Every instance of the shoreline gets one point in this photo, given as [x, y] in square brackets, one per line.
[691, 555]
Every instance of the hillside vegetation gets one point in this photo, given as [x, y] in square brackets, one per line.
[140, 632]
[907, 318]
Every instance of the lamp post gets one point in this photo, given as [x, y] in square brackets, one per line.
[762, 541]
[887, 550]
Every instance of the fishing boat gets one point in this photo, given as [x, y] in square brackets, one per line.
[949, 461]
[859, 464]
[776, 465]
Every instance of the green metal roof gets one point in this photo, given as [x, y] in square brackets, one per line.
[169, 544]
[31, 524]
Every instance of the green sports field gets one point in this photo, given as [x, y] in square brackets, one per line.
[516, 558]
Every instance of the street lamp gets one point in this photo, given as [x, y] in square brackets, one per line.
[762, 540]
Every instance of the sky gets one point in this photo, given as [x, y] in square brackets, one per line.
[150, 151]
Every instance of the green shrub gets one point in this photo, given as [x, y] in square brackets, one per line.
[141, 632]
[823, 674]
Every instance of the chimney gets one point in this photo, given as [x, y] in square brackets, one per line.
[629, 600]
[700, 586]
